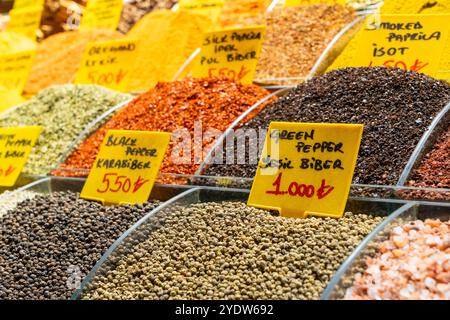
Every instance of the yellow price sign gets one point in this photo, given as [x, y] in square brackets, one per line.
[15, 147]
[107, 63]
[15, 68]
[211, 8]
[306, 168]
[25, 21]
[101, 14]
[409, 42]
[18, 4]
[232, 53]
[126, 167]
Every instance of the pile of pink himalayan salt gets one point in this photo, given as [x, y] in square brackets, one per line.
[414, 264]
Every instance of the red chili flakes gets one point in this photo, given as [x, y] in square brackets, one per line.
[170, 106]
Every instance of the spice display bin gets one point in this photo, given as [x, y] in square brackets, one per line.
[151, 222]
[95, 125]
[326, 58]
[356, 262]
[49, 185]
[23, 181]
[426, 144]
[331, 52]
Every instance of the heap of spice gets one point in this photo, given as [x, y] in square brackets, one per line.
[355, 4]
[63, 112]
[413, 264]
[434, 171]
[182, 107]
[241, 12]
[296, 37]
[395, 106]
[161, 53]
[59, 56]
[228, 250]
[11, 42]
[134, 10]
[50, 242]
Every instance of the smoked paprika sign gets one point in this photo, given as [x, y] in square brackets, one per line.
[409, 42]
[126, 167]
[306, 168]
[107, 63]
[15, 146]
[232, 53]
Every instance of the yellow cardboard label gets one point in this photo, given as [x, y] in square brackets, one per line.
[306, 168]
[211, 8]
[15, 68]
[101, 14]
[107, 63]
[126, 167]
[231, 53]
[18, 4]
[15, 146]
[25, 21]
[409, 42]
[288, 3]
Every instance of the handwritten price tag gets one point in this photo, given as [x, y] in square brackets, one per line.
[231, 53]
[15, 147]
[25, 21]
[101, 14]
[306, 168]
[211, 8]
[126, 167]
[15, 68]
[409, 42]
[107, 63]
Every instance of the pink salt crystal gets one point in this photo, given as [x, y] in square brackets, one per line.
[430, 283]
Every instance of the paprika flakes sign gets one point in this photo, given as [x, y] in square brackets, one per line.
[409, 42]
[126, 166]
[107, 63]
[15, 146]
[306, 168]
[232, 53]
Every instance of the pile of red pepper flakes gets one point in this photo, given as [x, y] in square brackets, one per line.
[169, 107]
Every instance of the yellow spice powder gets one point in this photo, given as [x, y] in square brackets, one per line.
[59, 56]
[166, 40]
[11, 42]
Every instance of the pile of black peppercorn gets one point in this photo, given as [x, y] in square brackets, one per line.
[395, 106]
[49, 243]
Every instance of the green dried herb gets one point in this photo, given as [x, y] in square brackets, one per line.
[63, 112]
